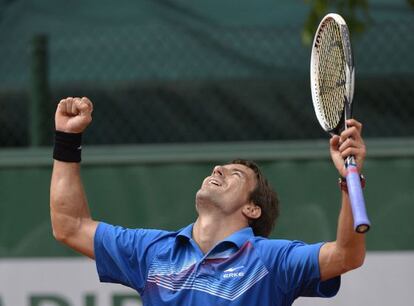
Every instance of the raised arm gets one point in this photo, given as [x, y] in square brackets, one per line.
[71, 220]
[348, 251]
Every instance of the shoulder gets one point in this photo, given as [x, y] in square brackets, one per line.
[277, 244]
[132, 236]
[270, 250]
[265, 244]
[276, 250]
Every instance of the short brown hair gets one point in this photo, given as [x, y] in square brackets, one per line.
[263, 196]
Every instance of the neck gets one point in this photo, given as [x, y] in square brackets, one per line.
[209, 230]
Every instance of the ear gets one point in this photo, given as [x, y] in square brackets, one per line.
[252, 211]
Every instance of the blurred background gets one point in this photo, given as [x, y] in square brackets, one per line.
[178, 87]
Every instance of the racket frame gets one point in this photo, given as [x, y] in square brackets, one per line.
[361, 222]
[349, 73]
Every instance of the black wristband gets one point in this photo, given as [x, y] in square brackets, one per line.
[67, 147]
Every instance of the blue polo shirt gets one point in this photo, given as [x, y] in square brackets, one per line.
[168, 268]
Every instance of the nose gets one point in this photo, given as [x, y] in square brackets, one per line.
[218, 170]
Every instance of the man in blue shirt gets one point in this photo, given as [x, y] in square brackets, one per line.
[223, 258]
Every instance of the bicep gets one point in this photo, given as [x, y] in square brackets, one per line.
[82, 240]
[330, 261]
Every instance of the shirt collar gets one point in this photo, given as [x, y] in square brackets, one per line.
[186, 232]
[238, 238]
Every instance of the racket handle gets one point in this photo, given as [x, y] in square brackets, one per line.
[353, 181]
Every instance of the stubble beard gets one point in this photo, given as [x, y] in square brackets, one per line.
[206, 200]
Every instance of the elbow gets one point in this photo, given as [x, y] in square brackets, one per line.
[59, 233]
[63, 227]
[354, 261]
[57, 229]
[355, 264]
[60, 236]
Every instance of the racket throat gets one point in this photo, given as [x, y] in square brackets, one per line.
[350, 161]
[341, 126]
[347, 113]
[347, 110]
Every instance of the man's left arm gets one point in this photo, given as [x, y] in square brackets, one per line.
[348, 251]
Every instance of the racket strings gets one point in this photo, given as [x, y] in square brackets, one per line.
[331, 74]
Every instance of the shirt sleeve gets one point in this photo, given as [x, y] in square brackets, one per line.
[123, 255]
[300, 274]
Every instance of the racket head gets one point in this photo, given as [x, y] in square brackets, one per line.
[332, 73]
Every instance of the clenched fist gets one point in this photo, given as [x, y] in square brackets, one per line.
[350, 142]
[73, 115]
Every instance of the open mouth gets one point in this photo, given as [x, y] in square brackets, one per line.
[214, 182]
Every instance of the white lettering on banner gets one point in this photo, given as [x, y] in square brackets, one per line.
[59, 282]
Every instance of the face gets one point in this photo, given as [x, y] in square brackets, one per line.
[227, 188]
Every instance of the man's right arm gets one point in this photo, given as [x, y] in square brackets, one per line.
[71, 220]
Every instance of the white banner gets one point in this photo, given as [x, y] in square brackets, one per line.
[385, 279]
[59, 282]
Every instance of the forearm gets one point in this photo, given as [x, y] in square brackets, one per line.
[68, 204]
[348, 251]
[350, 244]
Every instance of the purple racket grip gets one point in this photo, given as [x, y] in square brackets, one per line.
[353, 181]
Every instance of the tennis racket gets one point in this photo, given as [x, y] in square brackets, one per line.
[332, 85]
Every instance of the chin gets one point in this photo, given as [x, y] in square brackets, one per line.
[201, 195]
[205, 198]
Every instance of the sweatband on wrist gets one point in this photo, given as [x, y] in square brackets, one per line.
[67, 147]
[342, 182]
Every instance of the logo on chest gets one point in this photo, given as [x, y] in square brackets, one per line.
[235, 272]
